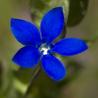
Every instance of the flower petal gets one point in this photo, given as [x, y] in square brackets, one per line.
[69, 46]
[52, 24]
[27, 57]
[53, 67]
[25, 32]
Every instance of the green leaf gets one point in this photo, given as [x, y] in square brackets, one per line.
[77, 11]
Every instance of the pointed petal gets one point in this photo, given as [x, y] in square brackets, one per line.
[53, 67]
[70, 46]
[25, 32]
[52, 24]
[27, 57]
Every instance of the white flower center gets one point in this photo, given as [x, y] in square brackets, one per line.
[44, 49]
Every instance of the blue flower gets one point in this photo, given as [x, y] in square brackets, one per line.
[38, 45]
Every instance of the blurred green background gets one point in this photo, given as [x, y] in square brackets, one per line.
[81, 18]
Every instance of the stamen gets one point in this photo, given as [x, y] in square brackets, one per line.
[44, 49]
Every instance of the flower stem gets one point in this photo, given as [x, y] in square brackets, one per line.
[34, 76]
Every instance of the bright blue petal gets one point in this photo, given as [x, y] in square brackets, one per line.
[53, 67]
[70, 46]
[27, 57]
[52, 24]
[25, 32]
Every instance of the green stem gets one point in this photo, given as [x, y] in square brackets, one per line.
[34, 76]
